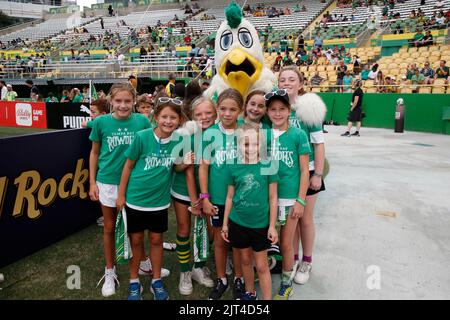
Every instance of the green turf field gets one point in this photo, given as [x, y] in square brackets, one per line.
[11, 131]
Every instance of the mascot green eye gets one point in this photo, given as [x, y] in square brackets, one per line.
[245, 38]
[226, 40]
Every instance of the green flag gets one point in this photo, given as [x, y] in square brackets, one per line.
[93, 95]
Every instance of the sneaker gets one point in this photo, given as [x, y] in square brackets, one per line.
[302, 275]
[185, 286]
[249, 296]
[100, 222]
[346, 134]
[284, 292]
[202, 276]
[109, 286]
[218, 291]
[238, 289]
[145, 268]
[229, 266]
[158, 290]
[135, 291]
[355, 134]
[325, 131]
[169, 246]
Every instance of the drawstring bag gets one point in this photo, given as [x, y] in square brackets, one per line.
[123, 245]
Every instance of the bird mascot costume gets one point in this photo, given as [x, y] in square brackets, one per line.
[239, 57]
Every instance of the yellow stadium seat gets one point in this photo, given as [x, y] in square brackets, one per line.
[332, 68]
[433, 48]
[382, 66]
[388, 60]
[368, 83]
[371, 90]
[323, 74]
[424, 90]
[434, 59]
[415, 55]
[435, 53]
[312, 68]
[405, 90]
[399, 60]
[320, 68]
[332, 78]
[315, 89]
[412, 49]
[421, 59]
[350, 67]
[439, 82]
[393, 66]
[303, 68]
[422, 49]
[410, 60]
[438, 89]
[403, 50]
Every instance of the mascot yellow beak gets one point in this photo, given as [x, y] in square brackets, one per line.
[239, 70]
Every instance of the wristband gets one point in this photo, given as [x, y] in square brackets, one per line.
[301, 201]
[204, 196]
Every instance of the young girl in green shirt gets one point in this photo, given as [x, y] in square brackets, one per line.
[289, 149]
[251, 211]
[111, 135]
[219, 151]
[145, 191]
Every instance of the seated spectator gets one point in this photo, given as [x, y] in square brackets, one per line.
[286, 11]
[379, 82]
[417, 79]
[428, 72]
[427, 39]
[347, 82]
[65, 96]
[51, 98]
[356, 64]
[318, 40]
[417, 40]
[304, 8]
[287, 60]
[316, 80]
[373, 72]
[442, 72]
[411, 71]
[390, 84]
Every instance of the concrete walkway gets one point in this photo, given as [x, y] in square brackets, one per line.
[383, 224]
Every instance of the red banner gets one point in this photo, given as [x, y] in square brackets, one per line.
[23, 114]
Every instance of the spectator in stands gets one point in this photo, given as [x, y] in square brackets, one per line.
[304, 8]
[318, 41]
[428, 72]
[10, 94]
[442, 72]
[75, 95]
[412, 15]
[33, 89]
[373, 73]
[194, 51]
[286, 11]
[287, 60]
[110, 10]
[187, 40]
[379, 82]
[427, 39]
[341, 70]
[347, 82]
[51, 98]
[142, 52]
[417, 79]
[3, 90]
[278, 59]
[65, 96]
[202, 52]
[439, 4]
[102, 23]
[170, 87]
[411, 71]
[390, 84]
[316, 80]
[301, 42]
[356, 64]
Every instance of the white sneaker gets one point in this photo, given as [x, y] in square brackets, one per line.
[302, 275]
[185, 286]
[169, 246]
[100, 222]
[109, 286]
[229, 267]
[202, 276]
[145, 269]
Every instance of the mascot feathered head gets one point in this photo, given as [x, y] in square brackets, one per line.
[239, 56]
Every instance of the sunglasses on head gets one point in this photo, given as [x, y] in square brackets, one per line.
[280, 92]
[167, 100]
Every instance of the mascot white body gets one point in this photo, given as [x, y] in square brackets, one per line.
[239, 57]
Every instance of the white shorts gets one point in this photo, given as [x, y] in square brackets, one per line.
[107, 194]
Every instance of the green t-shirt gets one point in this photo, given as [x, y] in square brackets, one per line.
[443, 73]
[313, 133]
[415, 79]
[115, 136]
[54, 99]
[150, 179]
[286, 150]
[418, 36]
[11, 96]
[220, 149]
[365, 74]
[179, 186]
[262, 125]
[78, 98]
[251, 195]
[90, 124]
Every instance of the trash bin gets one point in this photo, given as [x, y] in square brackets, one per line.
[446, 119]
[400, 116]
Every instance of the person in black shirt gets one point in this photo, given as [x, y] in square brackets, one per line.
[355, 114]
[34, 91]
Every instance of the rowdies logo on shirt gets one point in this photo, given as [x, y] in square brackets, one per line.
[280, 153]
[121, 137]
[163, 160]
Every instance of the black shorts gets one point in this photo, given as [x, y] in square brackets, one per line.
[355, 115]
[310, 191]
[186, 203]
[153, 221]
[217, 220]
[242, 237]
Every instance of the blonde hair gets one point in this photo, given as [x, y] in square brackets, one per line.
[246, 128]
[200, 100]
